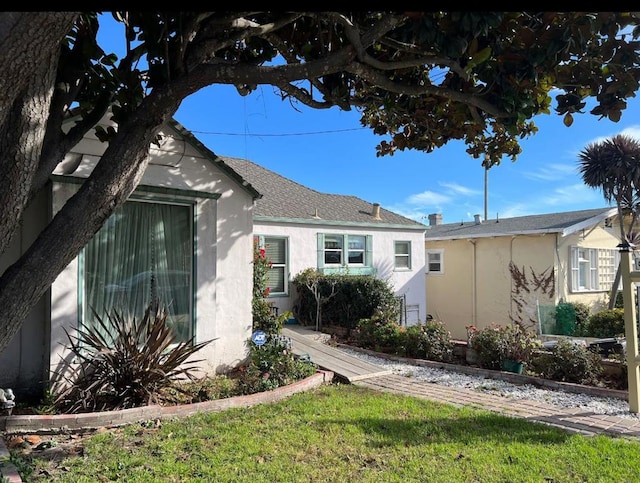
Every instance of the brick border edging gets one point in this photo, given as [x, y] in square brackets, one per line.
[51, 424]
[501, 375]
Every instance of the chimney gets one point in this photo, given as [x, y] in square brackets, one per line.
[376, 211]
[477, 219]
[435, 219]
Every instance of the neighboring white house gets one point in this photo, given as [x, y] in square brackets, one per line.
[184, 237]
[302, 228]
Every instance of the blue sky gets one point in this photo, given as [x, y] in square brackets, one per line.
[329, 151]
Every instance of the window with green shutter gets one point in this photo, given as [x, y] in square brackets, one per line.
[339, 253]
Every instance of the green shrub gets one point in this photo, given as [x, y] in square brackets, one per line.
[521, 343]
[569, 362]
[430, 340]
[263, 317]
[377, 334]
[491, 345]
[619, 303]
[582, 314]
[354, 297]
[207, 388]
[273, 365]
[606, 323]
[497, 342]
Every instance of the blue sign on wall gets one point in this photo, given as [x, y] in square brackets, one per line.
[259, 337]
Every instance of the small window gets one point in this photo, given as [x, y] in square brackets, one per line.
[356, 249]
[278, 274]
[435, 261]
[333, 249]
[593, 269]
[402, 250]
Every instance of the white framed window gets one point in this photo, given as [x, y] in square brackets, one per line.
[402, 254]
[593, 269]
[435, 261]
[339, 252]
[143, 254]
[276, 251]
[333, 249]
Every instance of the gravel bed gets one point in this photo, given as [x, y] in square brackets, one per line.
[560, 399]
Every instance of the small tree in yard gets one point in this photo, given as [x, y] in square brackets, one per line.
[312, 280]
[419, 79]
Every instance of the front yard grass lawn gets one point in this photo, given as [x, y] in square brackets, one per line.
[341, 433]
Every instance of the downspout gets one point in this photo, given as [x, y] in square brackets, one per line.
[511, 278]
[474, 290]
[560, 276]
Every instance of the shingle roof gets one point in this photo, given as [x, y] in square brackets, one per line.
[563, 223]
[286, 200]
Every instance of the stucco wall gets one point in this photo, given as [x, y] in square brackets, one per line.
[25, 361]
[478, 287]
[303, 251]
[223, 232]
[600, 237]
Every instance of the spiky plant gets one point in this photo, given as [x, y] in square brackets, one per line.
[124, 362]
[613, 165]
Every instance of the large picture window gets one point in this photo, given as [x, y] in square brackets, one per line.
[142, 255]
[593, 269]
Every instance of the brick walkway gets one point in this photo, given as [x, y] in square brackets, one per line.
[574, 420]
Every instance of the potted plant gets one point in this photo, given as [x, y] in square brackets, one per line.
[503, 347]
[520, 345]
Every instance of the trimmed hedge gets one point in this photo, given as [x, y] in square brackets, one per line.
[355, 297]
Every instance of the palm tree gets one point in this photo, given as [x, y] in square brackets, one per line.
[613, 165]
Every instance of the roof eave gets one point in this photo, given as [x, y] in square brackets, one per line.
[313, 221]
[589, 222]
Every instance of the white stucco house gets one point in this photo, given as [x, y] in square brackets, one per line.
[302, 228]
[184, 237]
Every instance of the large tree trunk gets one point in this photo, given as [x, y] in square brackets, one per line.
[29, 51]
[112, 181]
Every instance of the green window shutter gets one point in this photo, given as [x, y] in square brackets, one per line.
[320, 250]
[368, 254]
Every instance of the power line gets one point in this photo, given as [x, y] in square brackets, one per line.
[277, 135]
